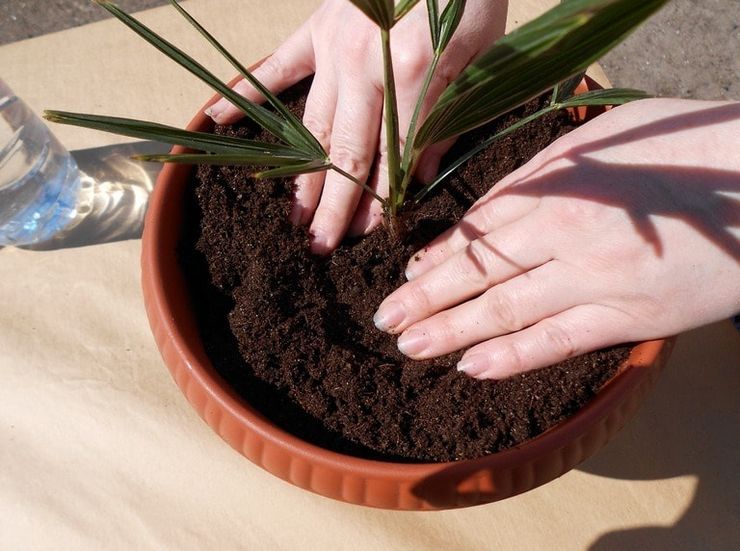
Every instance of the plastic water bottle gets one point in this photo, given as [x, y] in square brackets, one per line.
[39, 180]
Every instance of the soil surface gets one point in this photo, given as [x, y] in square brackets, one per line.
[293, 332]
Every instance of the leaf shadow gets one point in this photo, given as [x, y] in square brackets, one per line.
[113, 198]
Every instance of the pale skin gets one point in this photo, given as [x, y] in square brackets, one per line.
[626, 229]
[344, 107]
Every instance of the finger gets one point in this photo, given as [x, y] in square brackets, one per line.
[318, 117]
[483, 263]
[503, 309]
[490, 212]
[353, 143]
[428, 167]
[290, 63]
[369, 214]
[570, 333]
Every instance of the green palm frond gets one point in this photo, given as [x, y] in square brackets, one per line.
[403, 7]
[277, 126]
[382, 12]
[564, 90]
[611, 96]
[530, 60]
[448, 23]
[201, 141]
[297, 166]
[433, 15]
[300, 134]
[292, 170]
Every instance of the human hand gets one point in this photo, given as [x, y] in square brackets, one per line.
[626, 229]
[345, 104]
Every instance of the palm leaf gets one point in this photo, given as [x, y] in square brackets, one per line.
[236, 159]
[300, 134]
[203, 141]
[530, 60]
[292, 170]
[611, 96]
[382, 12]
[564, 90]
[433, 13]
[403, 7]
[263, 117]
[449, 22]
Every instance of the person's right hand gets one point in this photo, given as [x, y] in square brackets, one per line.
[345, 104]
[626, 229]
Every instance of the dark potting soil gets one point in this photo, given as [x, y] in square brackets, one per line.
[293, 332]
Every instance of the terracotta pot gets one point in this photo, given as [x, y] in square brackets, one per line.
[374, 483]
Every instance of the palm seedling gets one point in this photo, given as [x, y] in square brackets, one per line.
[550, 52]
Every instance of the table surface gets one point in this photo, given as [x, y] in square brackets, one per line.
[98, 448]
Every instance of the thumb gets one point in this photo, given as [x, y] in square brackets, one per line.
[428, 166]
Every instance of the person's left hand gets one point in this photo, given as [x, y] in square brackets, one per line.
[344, 107]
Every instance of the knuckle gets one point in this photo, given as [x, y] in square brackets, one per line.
[242, 87]
[447, 332]
[559, 149]
[411, 64]
[558, 340]
[418, 297]
[511, 355]
[356, 48]
[278, 70]
[575, 213]
[353, 159]
[474, 261]
[318, 128]
[446, 73]
[501, 309]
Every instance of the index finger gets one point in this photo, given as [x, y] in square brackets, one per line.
[489, 213]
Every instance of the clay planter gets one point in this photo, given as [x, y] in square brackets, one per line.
[375, 483]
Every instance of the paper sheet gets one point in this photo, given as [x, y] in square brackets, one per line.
[99, 450]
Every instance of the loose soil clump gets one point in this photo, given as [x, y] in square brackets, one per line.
[292, 332]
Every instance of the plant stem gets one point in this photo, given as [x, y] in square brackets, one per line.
[391, 124]
[363, 185]
[409, 155]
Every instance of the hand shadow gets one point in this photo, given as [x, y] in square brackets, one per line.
[688, 426]
[706, 199]
[114, 195]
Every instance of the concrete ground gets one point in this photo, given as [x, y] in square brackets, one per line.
[690, 49]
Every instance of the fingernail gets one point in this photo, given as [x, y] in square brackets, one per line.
[413, 342]
[216, 110]
[389, 316]
[320, 243]
[473, 365]
[414, 267]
